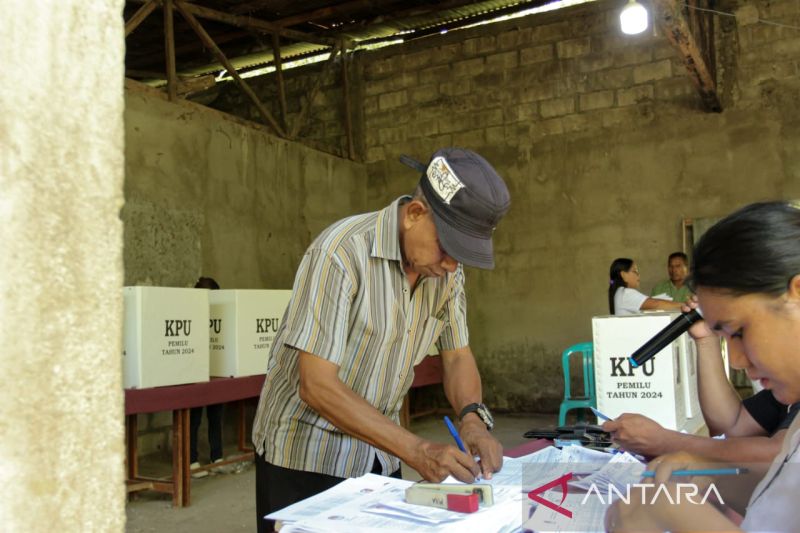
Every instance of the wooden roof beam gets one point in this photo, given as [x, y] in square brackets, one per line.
[256, 24]
[209, 42]
[675, 26]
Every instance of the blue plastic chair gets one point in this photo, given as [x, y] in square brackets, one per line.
[586, 349]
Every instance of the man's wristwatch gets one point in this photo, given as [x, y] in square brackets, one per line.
[482, 411]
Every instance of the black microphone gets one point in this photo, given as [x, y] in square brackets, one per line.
[674, 330]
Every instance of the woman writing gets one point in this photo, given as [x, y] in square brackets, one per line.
[623, 296]
[746, 275]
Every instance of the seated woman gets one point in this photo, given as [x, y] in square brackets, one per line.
[746, 275]
[624, 299]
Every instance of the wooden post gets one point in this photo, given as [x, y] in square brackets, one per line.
[676, 28]
[348, 123]
[276, 53]
[209, 43]
[169, 50]
[314, 90]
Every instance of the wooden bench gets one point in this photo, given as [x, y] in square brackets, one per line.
[428, 372]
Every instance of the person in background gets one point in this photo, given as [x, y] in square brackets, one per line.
[746, 275]
[213, 415]
[372, 294]
[623, 295]
[675, 287]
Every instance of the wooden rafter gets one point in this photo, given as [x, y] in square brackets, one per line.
[675, 26]
[298, 123]
[255, 24]
[211, 45]
[139, 16]
[169, 50]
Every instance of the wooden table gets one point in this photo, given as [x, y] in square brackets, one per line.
[180, 399]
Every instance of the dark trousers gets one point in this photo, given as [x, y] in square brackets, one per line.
[214, 415]
[278, 487]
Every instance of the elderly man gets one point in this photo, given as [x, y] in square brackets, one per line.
[675, 287]
[372, 294]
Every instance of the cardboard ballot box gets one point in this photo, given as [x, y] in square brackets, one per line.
[242, 327]
[165, 337]
[660, 389]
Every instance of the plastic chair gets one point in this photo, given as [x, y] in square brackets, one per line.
[588, 399]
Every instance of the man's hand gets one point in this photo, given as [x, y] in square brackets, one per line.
[639, 434]
[479, 442]
[435, 461]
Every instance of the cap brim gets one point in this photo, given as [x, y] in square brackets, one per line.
[467, 249]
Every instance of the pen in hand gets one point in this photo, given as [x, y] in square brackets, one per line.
[599, 415]
[454, 432]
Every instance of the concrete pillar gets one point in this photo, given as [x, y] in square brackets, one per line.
[61, 182]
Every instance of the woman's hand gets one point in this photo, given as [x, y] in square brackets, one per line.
[699, 329]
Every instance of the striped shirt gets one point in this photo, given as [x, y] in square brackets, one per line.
[352, 305]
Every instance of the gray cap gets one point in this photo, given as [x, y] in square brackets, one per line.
[468, 198]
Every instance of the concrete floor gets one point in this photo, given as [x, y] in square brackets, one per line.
[226, 501]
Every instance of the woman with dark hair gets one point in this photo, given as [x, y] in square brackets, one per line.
[746, 275]
[623, 296]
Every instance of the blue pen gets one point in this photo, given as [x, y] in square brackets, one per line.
[454, 433]
[702, 472]
[598, 414]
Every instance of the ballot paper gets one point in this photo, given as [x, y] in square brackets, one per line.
[587, 516]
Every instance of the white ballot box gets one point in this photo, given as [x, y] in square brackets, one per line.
[242, 327]
[165, 336]
[659, 389]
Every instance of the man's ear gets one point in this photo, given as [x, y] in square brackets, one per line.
[416, 210]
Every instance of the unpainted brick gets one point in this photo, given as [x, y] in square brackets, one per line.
[527, 112]
[502, 61]
[760, 72]
[596, 100]
[423, 128]
[417, 60]
[468, 67]
[551, 126]
[434, 74]
[610, 79]
[557, 107]
[545, 90]
[375, 153]
[490, 117]
[453, 123]
[652, 71]
[550, 32]
[448, 53]
[673, 88]
[392, 100]
[391, 135]
[470, 139]
[454, 88]
[508, 40]
[536, 54]
[495, 135]
[595, 62]
[632, 55]
[485, 44]
[423, 93]
[634, 95]
[573, 48]
[589, 24]
[380, 68]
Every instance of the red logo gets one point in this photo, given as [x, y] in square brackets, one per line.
[562, 481]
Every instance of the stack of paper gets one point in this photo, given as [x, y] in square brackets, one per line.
[372, 504]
